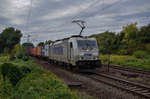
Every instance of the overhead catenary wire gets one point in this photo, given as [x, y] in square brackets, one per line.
[27, 21]
[29, 14]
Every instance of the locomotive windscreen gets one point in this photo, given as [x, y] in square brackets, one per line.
[86, 43]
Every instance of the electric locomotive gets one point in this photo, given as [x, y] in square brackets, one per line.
[76, 51]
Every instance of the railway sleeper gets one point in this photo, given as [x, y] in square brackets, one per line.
[147, 94]
[138, 89]
[132, 88]
[144, 91]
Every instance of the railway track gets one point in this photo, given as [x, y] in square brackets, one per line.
[128, 86]
[145, 72]
[131, 87]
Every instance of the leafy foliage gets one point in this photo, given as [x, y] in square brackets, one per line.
[18, 51]
[106, 41]
[129, 40]
[4, 69]
[25, 45]
[123, 52]
[140, 54]
[130, 32]
[25, 70]
[12, 72]
[48, 42]
[9, 38]
[4, 58]
[25, 58]
[129, 61]
[41, 44]
[147, 47]
[37, 83]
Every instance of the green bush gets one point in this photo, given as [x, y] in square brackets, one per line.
[103, 50]
[25, 70]
[123, 52]
[12, 57]
[18, 51]
[5, 69]
[4, 58]
[37, 83]
[25, 58]
[19, 54]
[147, 47]
[129, 61]
[140, 54]
[12, 72]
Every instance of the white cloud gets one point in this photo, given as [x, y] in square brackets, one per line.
[68, 11]
[19, 4]
[17, 21]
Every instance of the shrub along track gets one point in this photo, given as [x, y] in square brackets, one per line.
[131, 87]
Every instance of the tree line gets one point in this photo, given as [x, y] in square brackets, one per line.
[130, 39]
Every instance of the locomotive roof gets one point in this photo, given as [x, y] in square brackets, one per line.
[73, 36]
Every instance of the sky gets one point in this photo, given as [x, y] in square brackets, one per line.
[52, 19]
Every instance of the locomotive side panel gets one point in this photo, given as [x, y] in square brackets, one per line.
[58, 51]
[46, 54]
[43, 51]
[49, 52]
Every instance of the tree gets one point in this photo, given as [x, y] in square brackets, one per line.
[107, 41]
[26, 45]
[144, 34]
[48, 42]
[9, 38]
[18, 51]
[130, 31]
[41, 44]
[130, 37]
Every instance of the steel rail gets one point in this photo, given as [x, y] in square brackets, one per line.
[146, 72]
[134, 88]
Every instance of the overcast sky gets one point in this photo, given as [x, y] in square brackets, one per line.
[52, 19]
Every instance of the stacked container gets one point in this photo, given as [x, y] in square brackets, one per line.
[39, 51]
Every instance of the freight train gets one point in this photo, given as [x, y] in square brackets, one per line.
[75, 52]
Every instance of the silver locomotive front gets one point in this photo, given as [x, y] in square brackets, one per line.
[88, 56]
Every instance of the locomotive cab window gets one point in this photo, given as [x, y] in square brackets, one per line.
[86, 44]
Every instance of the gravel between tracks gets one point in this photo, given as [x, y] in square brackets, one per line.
[89, 87]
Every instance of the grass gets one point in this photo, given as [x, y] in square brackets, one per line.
[38, 84]
[129, 61]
